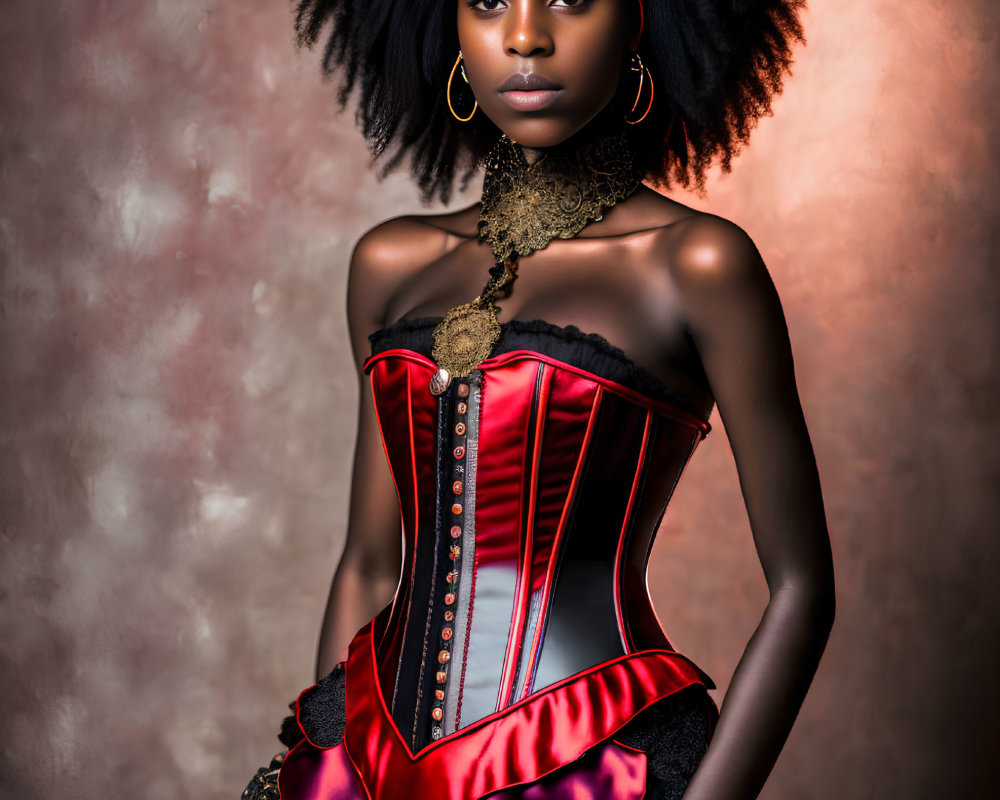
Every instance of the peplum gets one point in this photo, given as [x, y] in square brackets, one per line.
[521, 656]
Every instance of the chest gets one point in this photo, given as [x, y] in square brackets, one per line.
[612, 287]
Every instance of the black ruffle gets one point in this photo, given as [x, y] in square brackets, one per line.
[322, 710]
[409, 334]
[290, 734]
[587, 351]
[674, 734]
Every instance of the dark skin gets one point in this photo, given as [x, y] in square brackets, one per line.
[683, 293]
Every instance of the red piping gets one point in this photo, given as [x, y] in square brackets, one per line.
[392, 474]
[626, 639]
[553, 553]
[522, 592]
[668, 410]
[473, 727]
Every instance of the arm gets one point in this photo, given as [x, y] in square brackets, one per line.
[736, 321]
[368, 572]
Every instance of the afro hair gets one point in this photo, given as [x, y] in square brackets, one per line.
[717, 63]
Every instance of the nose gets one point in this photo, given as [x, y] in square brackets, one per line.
[527, 32]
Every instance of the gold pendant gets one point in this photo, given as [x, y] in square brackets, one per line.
[465, 338]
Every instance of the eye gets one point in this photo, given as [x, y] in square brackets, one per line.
[568, 3]
[485, 5]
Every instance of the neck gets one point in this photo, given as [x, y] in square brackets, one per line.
[605, 124]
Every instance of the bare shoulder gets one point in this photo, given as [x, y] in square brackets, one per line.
[714, 271]
[391, 253]
[705, 252]
[410, 242]
[399, 247]
[693, 244]
[722, 288]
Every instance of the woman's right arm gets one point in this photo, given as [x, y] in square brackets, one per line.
[368, 573]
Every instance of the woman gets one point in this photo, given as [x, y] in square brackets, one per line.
[511, 649]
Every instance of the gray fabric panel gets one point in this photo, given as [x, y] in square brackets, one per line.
[491, 613]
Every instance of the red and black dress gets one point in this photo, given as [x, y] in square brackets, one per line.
[520, 656]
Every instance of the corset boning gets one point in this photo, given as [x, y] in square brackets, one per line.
[529, 494]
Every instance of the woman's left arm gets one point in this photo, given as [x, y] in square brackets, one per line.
[735, 318]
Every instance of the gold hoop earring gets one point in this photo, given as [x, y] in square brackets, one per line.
[644, 75]
[451, 77]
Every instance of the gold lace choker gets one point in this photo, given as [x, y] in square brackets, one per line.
[524, 207]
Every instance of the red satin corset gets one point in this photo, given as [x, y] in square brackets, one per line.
[521, 633]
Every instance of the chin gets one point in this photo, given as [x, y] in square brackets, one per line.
[540, 133]
[553, 129]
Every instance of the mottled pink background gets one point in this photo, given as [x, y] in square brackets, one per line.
[178, 200]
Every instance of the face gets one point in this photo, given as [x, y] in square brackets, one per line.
[542, 69]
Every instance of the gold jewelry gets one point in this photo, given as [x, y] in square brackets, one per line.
[469, 332]
[524, 207]
[644, 74]
[465, 77]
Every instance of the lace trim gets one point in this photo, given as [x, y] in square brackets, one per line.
[589, 351]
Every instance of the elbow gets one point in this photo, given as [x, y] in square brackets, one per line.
[825, 601]
[812, 601]
[824, 610]
[820, 596]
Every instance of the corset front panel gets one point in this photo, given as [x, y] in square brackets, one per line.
[530, 494]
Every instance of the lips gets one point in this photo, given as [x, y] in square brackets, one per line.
[526, 91]
[527, 82]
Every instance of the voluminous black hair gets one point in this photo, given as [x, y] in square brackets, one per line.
[716, 65]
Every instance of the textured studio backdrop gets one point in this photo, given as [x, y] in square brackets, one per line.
[178, 201]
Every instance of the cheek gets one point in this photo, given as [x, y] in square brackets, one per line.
[599, 67]
[481, 65]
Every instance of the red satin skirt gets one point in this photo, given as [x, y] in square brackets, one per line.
[611, 771]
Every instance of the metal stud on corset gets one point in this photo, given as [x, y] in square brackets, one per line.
[440, 382]
[456, 468]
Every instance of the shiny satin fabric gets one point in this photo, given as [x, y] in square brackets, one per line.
[522, 744]
[312, 773]
[574, 474]
[611, 771]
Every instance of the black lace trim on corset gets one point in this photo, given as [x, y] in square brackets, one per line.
[321, 712]
[588, 351]
[673, 733]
